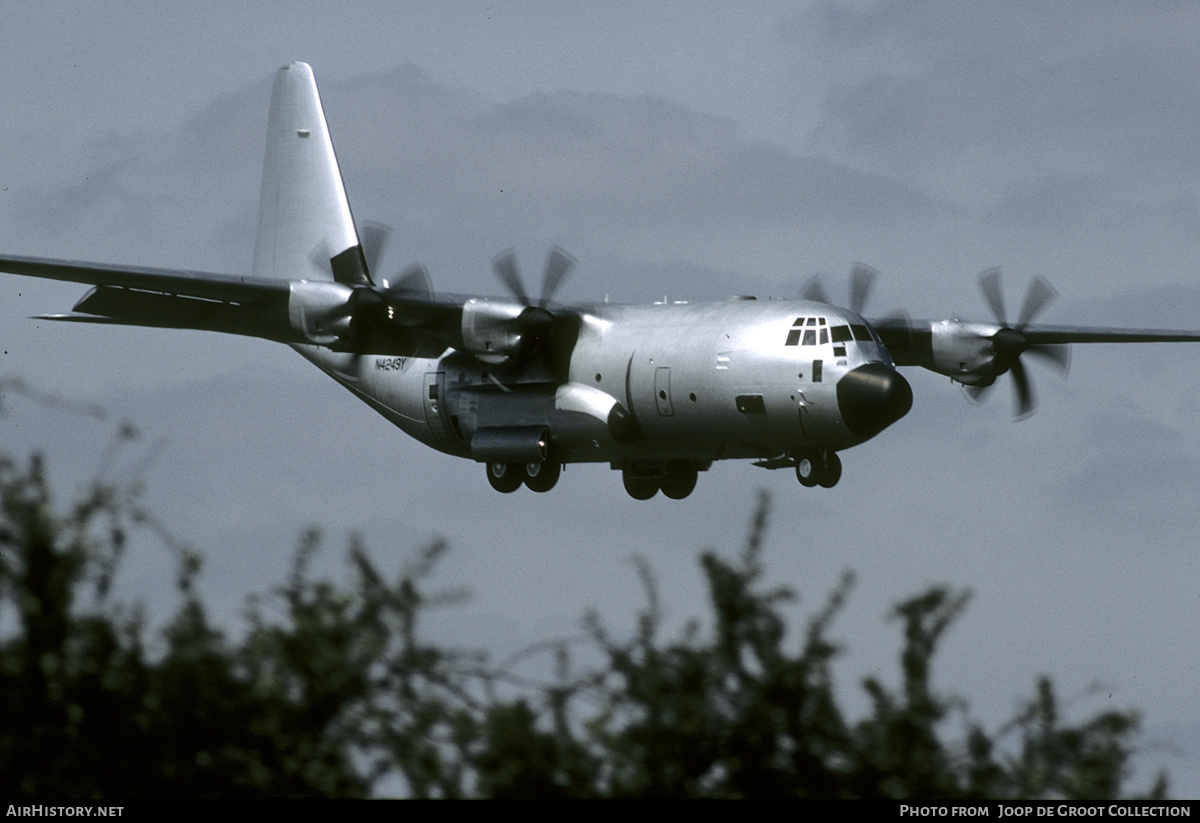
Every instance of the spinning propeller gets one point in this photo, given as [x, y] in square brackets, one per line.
[371, 307]
[1010, 341]
[862, 282]
[536, 321]
[414, 280]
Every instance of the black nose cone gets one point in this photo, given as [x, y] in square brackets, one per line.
[871, 398]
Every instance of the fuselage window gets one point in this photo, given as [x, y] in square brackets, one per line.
[750, 404]
[841, 334]
[861, 333]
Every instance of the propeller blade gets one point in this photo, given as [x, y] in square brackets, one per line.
[1039, 295]
[814, 290]
[989, 284]
[414, 281]
[862, 282]
[505, 265]
[1025, 402]
[373, 237]
[1057, 355]
[897, 329]
[558, 266]
[318, 258]
[976, 394]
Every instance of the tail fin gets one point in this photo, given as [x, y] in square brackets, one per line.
[303, 215]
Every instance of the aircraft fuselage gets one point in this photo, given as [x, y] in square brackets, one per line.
[699, 381]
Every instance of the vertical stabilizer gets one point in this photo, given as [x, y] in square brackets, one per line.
[303, 216]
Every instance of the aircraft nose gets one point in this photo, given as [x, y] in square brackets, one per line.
[871, 398]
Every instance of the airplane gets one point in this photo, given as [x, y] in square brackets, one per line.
[525, 385]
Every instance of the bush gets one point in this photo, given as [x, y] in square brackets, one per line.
[332, 691]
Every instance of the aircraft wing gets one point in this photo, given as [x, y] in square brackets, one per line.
[275, 309]
[165, 298]
[1097, 334]
[204, 285]
[909, 340]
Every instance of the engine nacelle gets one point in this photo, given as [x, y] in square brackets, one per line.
[319, 310]
[964, 352]
[490, 330]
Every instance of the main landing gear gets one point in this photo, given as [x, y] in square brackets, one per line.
[508, 477]
[818, 467]
[676, 482]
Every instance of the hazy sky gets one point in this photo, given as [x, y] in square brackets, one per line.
[691, 150]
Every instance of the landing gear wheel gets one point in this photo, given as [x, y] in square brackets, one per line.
[808, 469]
[541, 477]
[640, 487]
[505, 477]
[679, 483]
[833, 471]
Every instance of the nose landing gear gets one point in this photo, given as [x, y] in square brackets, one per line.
[818, 467]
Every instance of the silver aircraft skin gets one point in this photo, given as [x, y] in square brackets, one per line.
[524, 385]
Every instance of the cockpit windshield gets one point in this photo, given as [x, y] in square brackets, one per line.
[816, 331]
[809, 331]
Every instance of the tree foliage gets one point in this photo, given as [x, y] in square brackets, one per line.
[332, 691]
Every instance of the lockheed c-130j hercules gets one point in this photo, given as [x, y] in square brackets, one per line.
[526, 385]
